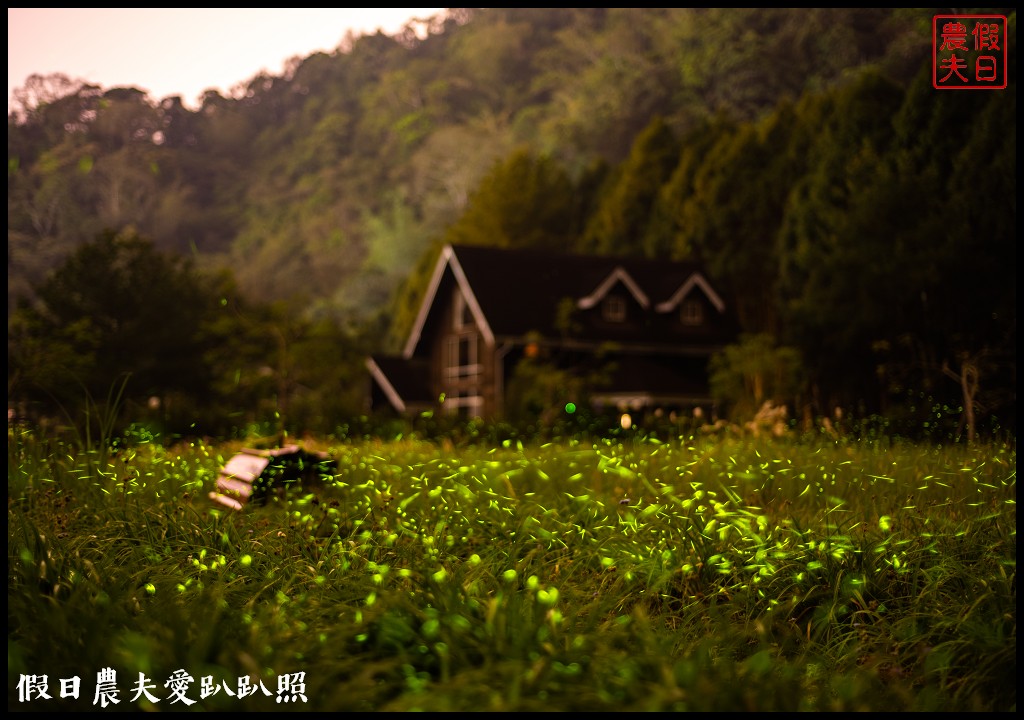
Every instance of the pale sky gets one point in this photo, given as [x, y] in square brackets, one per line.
[180, 51]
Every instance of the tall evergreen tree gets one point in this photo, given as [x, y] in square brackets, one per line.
[621, 219]
[525, 201]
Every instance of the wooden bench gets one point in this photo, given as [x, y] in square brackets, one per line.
[251, 474]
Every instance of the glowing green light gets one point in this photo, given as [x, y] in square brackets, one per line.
[570, 407]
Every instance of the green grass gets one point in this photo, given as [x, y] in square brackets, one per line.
[616, 574]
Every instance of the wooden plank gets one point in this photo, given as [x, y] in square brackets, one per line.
[245, 467]
[233, 486]
[225, 501]
[272, 452]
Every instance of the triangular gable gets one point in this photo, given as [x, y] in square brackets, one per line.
[617, 275]
[695, 280]
[448, 259]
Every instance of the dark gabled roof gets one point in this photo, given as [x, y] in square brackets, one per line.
[405, 382]
[515, 292]
[517, 289]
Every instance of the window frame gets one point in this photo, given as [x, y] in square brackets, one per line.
[691, 312]
[454, 367]
[613, 309]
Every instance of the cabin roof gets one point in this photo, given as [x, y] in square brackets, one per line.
[515, 292]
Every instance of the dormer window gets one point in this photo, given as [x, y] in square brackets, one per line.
[462, 316]
[691, 312]
[613, 309]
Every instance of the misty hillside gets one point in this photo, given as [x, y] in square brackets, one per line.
[855, 212]
[327, 184]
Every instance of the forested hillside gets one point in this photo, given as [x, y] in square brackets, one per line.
[858, 216]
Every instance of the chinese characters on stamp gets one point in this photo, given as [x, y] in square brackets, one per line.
[969, 52]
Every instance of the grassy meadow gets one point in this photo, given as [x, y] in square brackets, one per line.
[705, 573]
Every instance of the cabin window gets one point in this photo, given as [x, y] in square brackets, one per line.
[462, 316]
[614, 309]
[691, 313]
[463, 360]
[464, 404]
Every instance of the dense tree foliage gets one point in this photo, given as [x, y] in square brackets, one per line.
[124, 331]
[289, 175]
[522, 202]
[117, 312]
[623, 212]
[855, 215]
